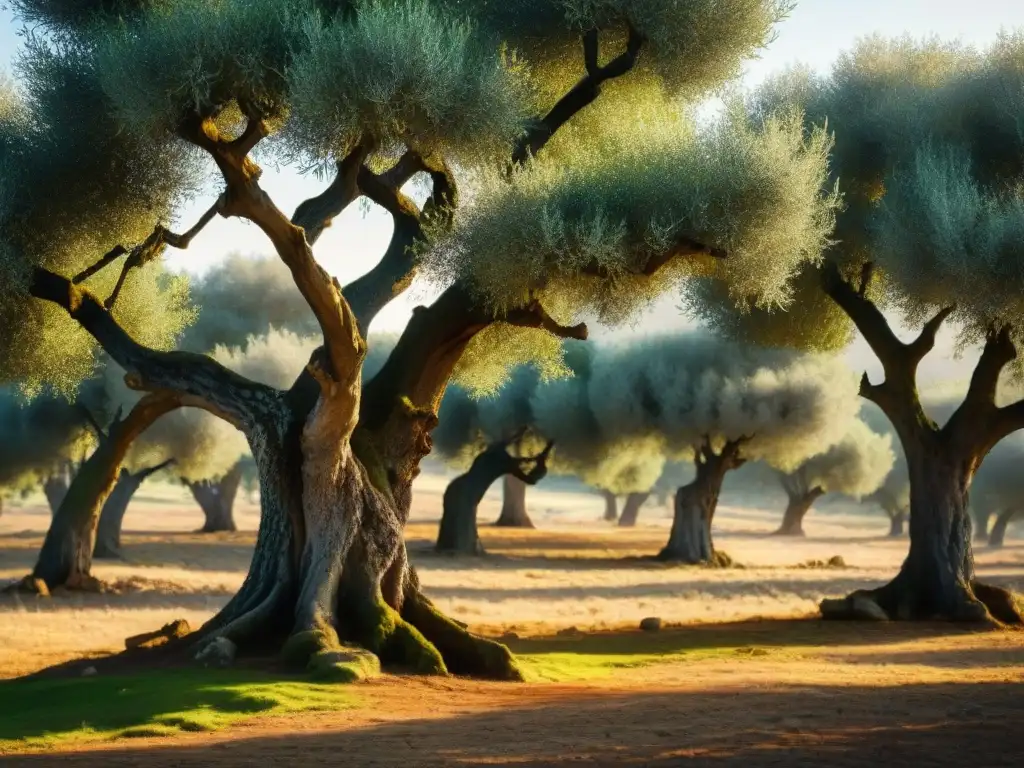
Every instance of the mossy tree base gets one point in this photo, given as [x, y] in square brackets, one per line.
[900, 601]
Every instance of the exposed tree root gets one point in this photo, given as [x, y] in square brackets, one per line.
[898, 601]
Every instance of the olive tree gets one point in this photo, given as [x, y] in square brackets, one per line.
[718, 404]
[929, 159]
[999, 489]
[552, 224]
[856, 466]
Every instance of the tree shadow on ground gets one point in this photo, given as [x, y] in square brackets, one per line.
[768, 633]
[799, 726]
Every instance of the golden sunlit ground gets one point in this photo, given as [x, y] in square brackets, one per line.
[718, 686]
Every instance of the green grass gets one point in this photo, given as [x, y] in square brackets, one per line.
[46, 713]
[603, 654]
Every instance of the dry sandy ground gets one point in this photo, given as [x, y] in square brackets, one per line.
[868, 695]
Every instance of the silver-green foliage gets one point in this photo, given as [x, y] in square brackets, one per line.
[856, 465]
[689, 387]
[71, 188]
[753, 192]
[404, 74]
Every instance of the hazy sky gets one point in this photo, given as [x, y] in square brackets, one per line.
[816, 32]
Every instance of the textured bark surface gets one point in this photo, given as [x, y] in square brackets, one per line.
[66, 556]
[217, 500]
[690, 538]
[108, 530]
[611, 507]
[997, 535]
[458, 531]
[631, 509]
[937, 579]
[513, 505]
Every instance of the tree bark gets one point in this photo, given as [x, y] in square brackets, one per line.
[611, 512]
[690, 539]
[631, 509]
[458, 532]
[513, 506]
[66, 556]
[55, 488]
[998, 533]
[796, 510]
[937, 579]
[108, 531]
[217, 500]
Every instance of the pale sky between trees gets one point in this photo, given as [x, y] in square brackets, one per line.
[815, 33]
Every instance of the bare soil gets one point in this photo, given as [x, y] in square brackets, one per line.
[797, 693]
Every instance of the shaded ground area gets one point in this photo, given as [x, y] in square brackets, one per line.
[735, 692]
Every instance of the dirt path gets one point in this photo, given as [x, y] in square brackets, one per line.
[858, 712]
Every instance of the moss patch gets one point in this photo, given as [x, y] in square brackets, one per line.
[47, 713]
[575, 657]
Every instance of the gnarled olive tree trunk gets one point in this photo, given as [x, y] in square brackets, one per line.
[937, 579]
[217, 500]
[513, 505]
[998, 533]
[690, 538]
[801, 498]
[108, 530]
[66, 556]
[631, 509]
[458, 531]
[611, 506]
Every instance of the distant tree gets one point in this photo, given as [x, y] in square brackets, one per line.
[108, 529]
[998, 490]
[929, 159]
[720, 405]
[855, 466]
[120, 109]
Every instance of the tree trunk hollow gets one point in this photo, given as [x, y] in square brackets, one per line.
[513, 506]
[631, 509]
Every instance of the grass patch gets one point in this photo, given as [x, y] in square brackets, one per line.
[47, 713]
[597, 655]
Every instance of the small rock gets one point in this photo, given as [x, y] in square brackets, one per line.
[651, 624]
[219, 653]
[836, 561]
[568, 632]
[89, 672]
[509, 636]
